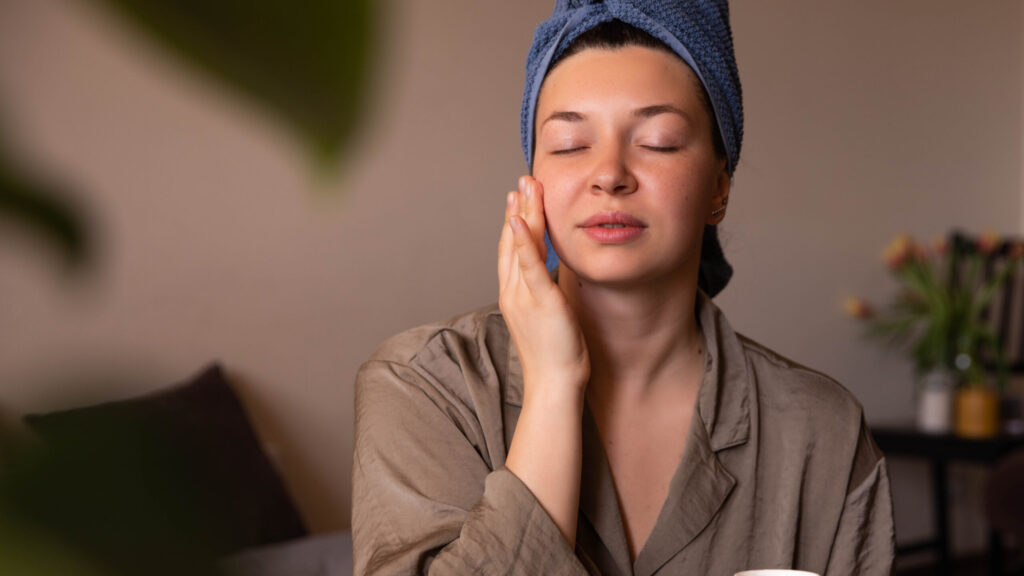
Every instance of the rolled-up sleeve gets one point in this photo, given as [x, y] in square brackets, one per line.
[425, 497]
[865, 539]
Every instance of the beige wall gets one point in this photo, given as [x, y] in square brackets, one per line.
[866, 119]
[863, 120]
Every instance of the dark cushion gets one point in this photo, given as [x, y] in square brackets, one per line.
[181, 465]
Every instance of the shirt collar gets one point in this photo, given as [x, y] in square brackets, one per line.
[725, 395]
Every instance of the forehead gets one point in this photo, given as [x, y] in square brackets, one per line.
[633, 76]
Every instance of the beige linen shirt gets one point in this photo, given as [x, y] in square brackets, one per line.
[779, 469]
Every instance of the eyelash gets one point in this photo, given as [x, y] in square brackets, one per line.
[568, 150]
[665, 149]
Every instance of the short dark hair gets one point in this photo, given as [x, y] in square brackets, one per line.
[615, 34]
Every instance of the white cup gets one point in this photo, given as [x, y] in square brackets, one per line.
[775, 573]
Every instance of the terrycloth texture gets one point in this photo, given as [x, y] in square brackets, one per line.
[697, 30]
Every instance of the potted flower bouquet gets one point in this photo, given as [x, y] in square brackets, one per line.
[939, 315]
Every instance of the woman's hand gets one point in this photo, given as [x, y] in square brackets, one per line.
[543, 326]
[546, 452]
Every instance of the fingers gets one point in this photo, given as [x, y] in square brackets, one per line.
[533, 211]
[506, 246]
[521, 249]
[528, 258]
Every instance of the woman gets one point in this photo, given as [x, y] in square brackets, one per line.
[607, 420]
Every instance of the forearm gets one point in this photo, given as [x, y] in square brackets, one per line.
[546, 453]
[546, 449]
[426, 501]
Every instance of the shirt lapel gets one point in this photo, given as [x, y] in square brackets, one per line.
[721, 420]
[598, 500]
[698, 489]
[701, 484]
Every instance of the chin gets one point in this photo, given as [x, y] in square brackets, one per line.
[618, 272]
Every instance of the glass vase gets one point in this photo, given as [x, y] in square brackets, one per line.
[935, 401]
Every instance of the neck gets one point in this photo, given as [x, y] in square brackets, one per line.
[639, 337]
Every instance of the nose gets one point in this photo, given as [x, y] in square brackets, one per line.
[611, 173]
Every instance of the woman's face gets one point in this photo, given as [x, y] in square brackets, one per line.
[625, 153]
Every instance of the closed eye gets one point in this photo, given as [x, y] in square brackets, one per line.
[569, 150]
[661, 148]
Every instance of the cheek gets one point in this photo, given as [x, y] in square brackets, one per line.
[555, 209]
[556, 197]
[678, 197]
[693, 194]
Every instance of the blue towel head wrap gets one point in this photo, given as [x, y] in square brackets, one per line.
[696, 30]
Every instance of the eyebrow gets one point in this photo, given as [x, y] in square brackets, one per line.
[563, 115]
[644, 113]
[651, 111]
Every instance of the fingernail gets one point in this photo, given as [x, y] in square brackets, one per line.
[514, 223]
[529, 189]
[510, 198]
[522, 182]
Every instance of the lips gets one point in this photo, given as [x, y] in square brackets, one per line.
[613, 227]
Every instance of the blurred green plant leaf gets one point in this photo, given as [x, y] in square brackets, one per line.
[307, 61]
[46, 212]
[26, 551]
[115, 492]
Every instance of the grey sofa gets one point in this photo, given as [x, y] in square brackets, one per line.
[321, 555]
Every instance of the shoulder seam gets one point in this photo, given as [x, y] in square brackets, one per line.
[778, 360]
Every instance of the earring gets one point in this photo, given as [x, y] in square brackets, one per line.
[721, 209]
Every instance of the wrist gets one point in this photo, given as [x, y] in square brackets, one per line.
[563, 397]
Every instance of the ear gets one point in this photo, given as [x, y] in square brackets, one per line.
[720, 198]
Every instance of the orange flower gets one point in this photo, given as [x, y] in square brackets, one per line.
[857, 308]
[898, 252]
[987, 242]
